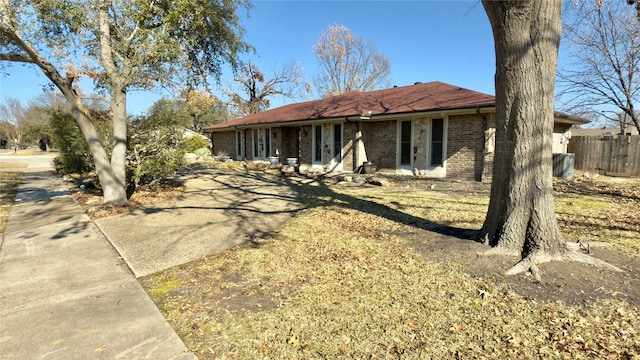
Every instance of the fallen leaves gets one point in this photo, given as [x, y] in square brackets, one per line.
[346, 287]
[90, 199]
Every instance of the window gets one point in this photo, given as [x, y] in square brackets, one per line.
[337, 141]
[239, 142]
[405, 143]
[437, 136]
[256, 144]
[267, 142]
[317, 143]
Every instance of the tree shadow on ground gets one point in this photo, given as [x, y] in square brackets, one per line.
[315, 192]
[570, 282]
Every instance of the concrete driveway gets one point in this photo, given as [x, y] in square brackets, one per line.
[218, 210]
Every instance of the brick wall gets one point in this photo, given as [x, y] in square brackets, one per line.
[467, 155]
[465, 147]
[306, 143]
[348, 153]
[379, 140]
[224, 141]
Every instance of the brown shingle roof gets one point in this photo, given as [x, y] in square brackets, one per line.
[414, 98]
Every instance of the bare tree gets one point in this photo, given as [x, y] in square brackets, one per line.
[348, 62]
[521, 216]
[256, 89]
[604, 75]
[12, 120]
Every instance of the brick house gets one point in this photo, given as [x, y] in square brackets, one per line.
[426, 129]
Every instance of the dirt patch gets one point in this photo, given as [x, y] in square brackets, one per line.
[240, 296]
[570, 282]
[89, 196]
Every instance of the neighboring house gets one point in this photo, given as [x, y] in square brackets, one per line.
[432, 129]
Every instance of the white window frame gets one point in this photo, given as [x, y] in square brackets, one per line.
[315, 146]
[337, 165]
[402, 168]
[239, 145]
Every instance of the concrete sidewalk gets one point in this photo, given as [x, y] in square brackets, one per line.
[64, 291]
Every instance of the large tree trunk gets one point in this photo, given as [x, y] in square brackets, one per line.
[521, 217]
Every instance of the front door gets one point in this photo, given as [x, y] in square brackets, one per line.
[261, 143]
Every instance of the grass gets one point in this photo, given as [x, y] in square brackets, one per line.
[9, 183]
[337, 282]
[8, 165]
[23, 152]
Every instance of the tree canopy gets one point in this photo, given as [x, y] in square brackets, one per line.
[121, 45]
[192, 109]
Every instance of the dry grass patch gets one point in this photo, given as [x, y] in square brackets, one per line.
[10, 165]
[601, 209]
[589, 210]
[9, 184]
[338, 282]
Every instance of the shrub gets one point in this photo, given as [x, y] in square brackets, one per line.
[155, 152]
[194, 143]
[74, 156]
[203, 153]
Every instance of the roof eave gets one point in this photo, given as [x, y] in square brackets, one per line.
[564, 118]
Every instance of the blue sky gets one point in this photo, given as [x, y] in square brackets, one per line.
[428, 40]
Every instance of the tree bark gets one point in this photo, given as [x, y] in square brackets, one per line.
[115, 190]
[521, 216]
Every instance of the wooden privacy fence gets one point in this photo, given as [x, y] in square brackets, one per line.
[607, 155]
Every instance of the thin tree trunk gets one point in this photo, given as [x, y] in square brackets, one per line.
[114, 189]
[521, 217]
[106, 175]
[119, 153]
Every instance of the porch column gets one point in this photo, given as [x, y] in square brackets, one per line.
[360, 152]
